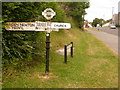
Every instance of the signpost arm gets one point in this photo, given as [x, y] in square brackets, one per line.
[47, 52]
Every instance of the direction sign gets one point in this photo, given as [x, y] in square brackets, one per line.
[30, 26]
[26, 26]
[36, 26]
[61, 25]
[20, 26]
[48, 13]
[39, 24]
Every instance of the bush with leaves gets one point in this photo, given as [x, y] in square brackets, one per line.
[77, 11]
[21, 48]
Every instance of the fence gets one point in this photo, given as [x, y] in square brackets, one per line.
[66, 47]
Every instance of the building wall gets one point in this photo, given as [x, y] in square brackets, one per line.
[116, 19]
[119, 18]
[119, 13]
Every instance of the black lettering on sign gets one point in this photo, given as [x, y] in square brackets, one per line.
[41, 24]
[61, 25]
[26, 25]
[20, 25]
[16, 27]
[13, 25]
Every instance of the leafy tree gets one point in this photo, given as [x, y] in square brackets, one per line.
[107, 21]
[77, 11]
[97, 21]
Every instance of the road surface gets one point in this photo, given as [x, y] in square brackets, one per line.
[110, 39]
[108, 30]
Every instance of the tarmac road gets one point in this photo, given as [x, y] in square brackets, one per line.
[109, 38]
[108, 30]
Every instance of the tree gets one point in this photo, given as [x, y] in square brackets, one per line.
[77, 11]
[98, 21]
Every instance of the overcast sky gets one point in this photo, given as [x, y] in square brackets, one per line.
[101, 9]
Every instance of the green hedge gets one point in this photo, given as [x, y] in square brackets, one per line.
[21, 48]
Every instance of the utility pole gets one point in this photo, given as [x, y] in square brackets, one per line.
[112, 14]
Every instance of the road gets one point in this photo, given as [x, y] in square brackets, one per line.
[108, 37]
[108, 30]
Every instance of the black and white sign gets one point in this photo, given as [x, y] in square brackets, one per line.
[20, 26]
[41, 26]
[36, 26]
[48, 13]
[61, 25]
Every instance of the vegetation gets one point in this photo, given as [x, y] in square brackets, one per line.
[93, 66]
[22, 48]
[100, 22]
[97, 21]
[107, 21]
[117, 26]
[77, 11]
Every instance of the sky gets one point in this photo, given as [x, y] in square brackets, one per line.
[101, 9]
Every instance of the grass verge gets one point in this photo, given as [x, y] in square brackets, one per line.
[93, 65]
[93, 29]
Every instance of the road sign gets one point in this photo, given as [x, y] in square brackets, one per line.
[48, 13]
[36, 26]
[26, 26]
[40, 26]
[61, 25]
[20, 26]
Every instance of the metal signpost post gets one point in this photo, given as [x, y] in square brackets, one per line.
[40, 26]
[47, 52]
[48, 14]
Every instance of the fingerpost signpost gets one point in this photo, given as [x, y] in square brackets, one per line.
[40, 26]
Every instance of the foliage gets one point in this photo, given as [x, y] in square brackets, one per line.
[77, 11]
[107, 21]
[21, 48]
[117, 25]
[94, 65]
[97, 21]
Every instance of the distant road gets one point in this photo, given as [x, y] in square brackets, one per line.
[110, 31]
[110, 38]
